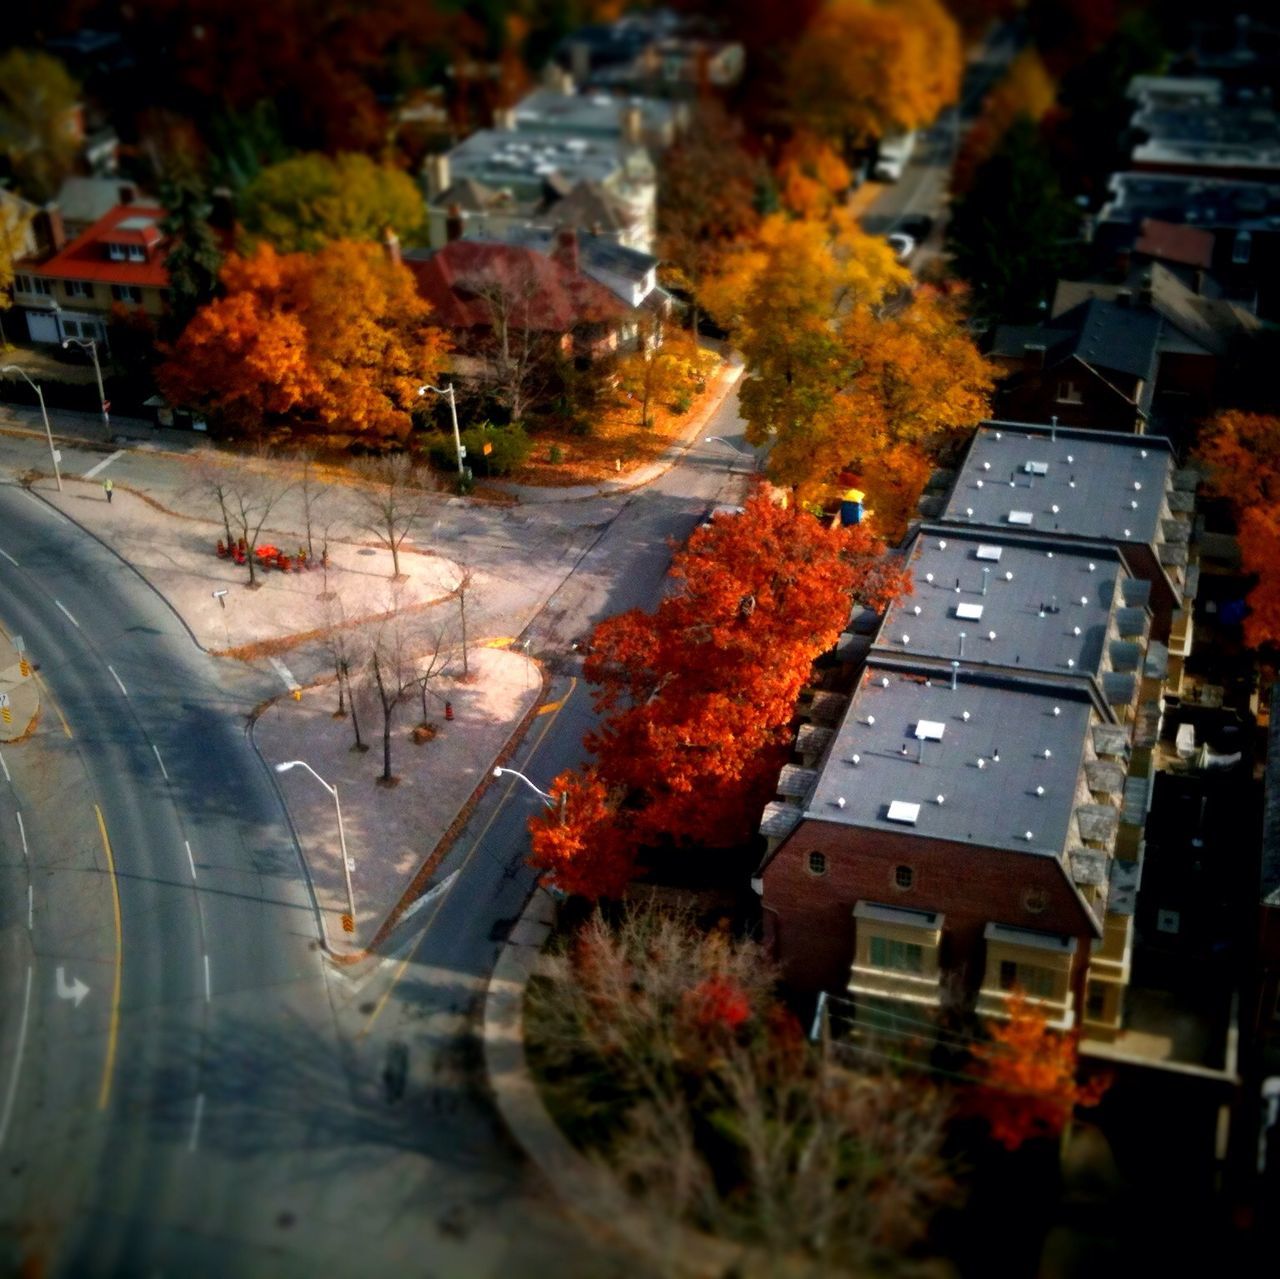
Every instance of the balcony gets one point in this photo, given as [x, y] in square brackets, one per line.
[905, 942]
[1036, 964]
[1112, 954]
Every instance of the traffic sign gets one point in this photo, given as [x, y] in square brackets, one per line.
[4, 699]
[488, 448]
[348, 924]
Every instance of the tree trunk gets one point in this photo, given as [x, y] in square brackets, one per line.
[422, 688]
[387, 708]
[355, 718]
[462, 609]
[395, 555]
[342, 703]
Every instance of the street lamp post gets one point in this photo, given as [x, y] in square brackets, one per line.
[719, 439]
[550, 800]
[342, 836]
[91, 345]
[447, 391]
[48, 434]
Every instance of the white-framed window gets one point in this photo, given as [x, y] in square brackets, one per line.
[116, 252]
[38, 286]
[1034, 979]
[78, 288]
[1069, 392]
[127, 293]
[901, 956]
[1241, 248]
[137, 253]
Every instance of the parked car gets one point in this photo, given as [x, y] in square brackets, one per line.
[916, 225]
[903, 245]
[895, 151]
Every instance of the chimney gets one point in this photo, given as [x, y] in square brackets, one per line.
[559, 80]
[632, 124]
[391, 245]
[51, 235]
[1033, 352]
[454, 223]
[438, 178]
[566, 248]
[580, 61]
[504, 118]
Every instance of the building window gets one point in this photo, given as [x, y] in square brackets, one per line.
[903, 877]
[79, 289]
[1095, 1005]
[22, 283]
[1069, 393]
[137, 253]
[1241, 248]
[1035, 901]
[116, 252]
[1030, 978]
[127, 293]
[34, 284]
[71, 328]
[902, 956]
[817, 863]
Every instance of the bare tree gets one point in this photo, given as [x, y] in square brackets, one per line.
[431, 663]
[213, 480]
[465, 577]
[396, 493]
[252, 495]
[348, 652]
[313, 495]
[519, 350]
[392, 671]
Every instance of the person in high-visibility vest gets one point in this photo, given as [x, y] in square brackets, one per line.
[107, 488]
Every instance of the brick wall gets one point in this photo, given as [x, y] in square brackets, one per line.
[809, 918]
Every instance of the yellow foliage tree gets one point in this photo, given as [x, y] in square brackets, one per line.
[866, 68]
[811, 176]
[1027, 89]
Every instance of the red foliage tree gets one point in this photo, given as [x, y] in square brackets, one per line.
[1026, 1078]
[580, 843]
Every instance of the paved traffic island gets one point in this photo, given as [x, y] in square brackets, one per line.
[19, 692]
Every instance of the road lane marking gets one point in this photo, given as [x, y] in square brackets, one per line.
[113, 1031]
[6, 770]
[31, 908]
[159, 761]
[208, 986]
[10, 558]
[118, 680]
[74, 989]
[493, 817]
[44, 692]
[194, 1140]
[551, 707]
[286, 675]
[67, 611]
[102, 466]
[22, 830]
[17, 1062]
[191, 861]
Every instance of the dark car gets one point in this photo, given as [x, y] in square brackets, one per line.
[917, 226]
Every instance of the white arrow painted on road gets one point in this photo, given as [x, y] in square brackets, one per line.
[442, 887]
[77, 990]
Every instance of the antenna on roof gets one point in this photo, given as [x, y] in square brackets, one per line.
[955, 671]
[1053, 428]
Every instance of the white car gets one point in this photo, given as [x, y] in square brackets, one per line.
[902, 244]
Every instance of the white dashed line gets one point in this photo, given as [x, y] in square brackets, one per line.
[194, 1140]
[22, 830]
[155, 748]
[9, 558]
[118, 680]
[31, 908]
[208, 987]
[6, 769]
[102, 466]
[67, 611]
[17, 1062]
[191, 861]
[285, 673]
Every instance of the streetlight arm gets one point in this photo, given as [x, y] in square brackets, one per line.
[706, 439]
[550, 799]
[302, 763]
[447, 392]
[13, 368]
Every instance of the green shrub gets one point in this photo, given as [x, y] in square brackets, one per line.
[508, 448]
[556, 455]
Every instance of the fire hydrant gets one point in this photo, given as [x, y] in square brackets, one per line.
[448, 710]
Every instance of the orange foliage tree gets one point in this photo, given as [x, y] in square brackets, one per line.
[865, 68]
[699, 694]
[811, 176]
[335, 342]
[1241, 455]
[1027, 1084]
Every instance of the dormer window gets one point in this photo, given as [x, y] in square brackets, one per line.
[116, 252]
[137, 253]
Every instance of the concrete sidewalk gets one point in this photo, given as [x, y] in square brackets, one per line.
[19, 693]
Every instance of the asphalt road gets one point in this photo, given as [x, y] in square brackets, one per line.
[225, 1112]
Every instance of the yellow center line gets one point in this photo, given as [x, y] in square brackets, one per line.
[408, 959]
[114, 1030]
[551, 707]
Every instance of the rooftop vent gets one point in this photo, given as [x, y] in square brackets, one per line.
[969, 612]
[901, 811]
[986, 552]
[930, 730]
[1036, 468]
[1020, 517]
